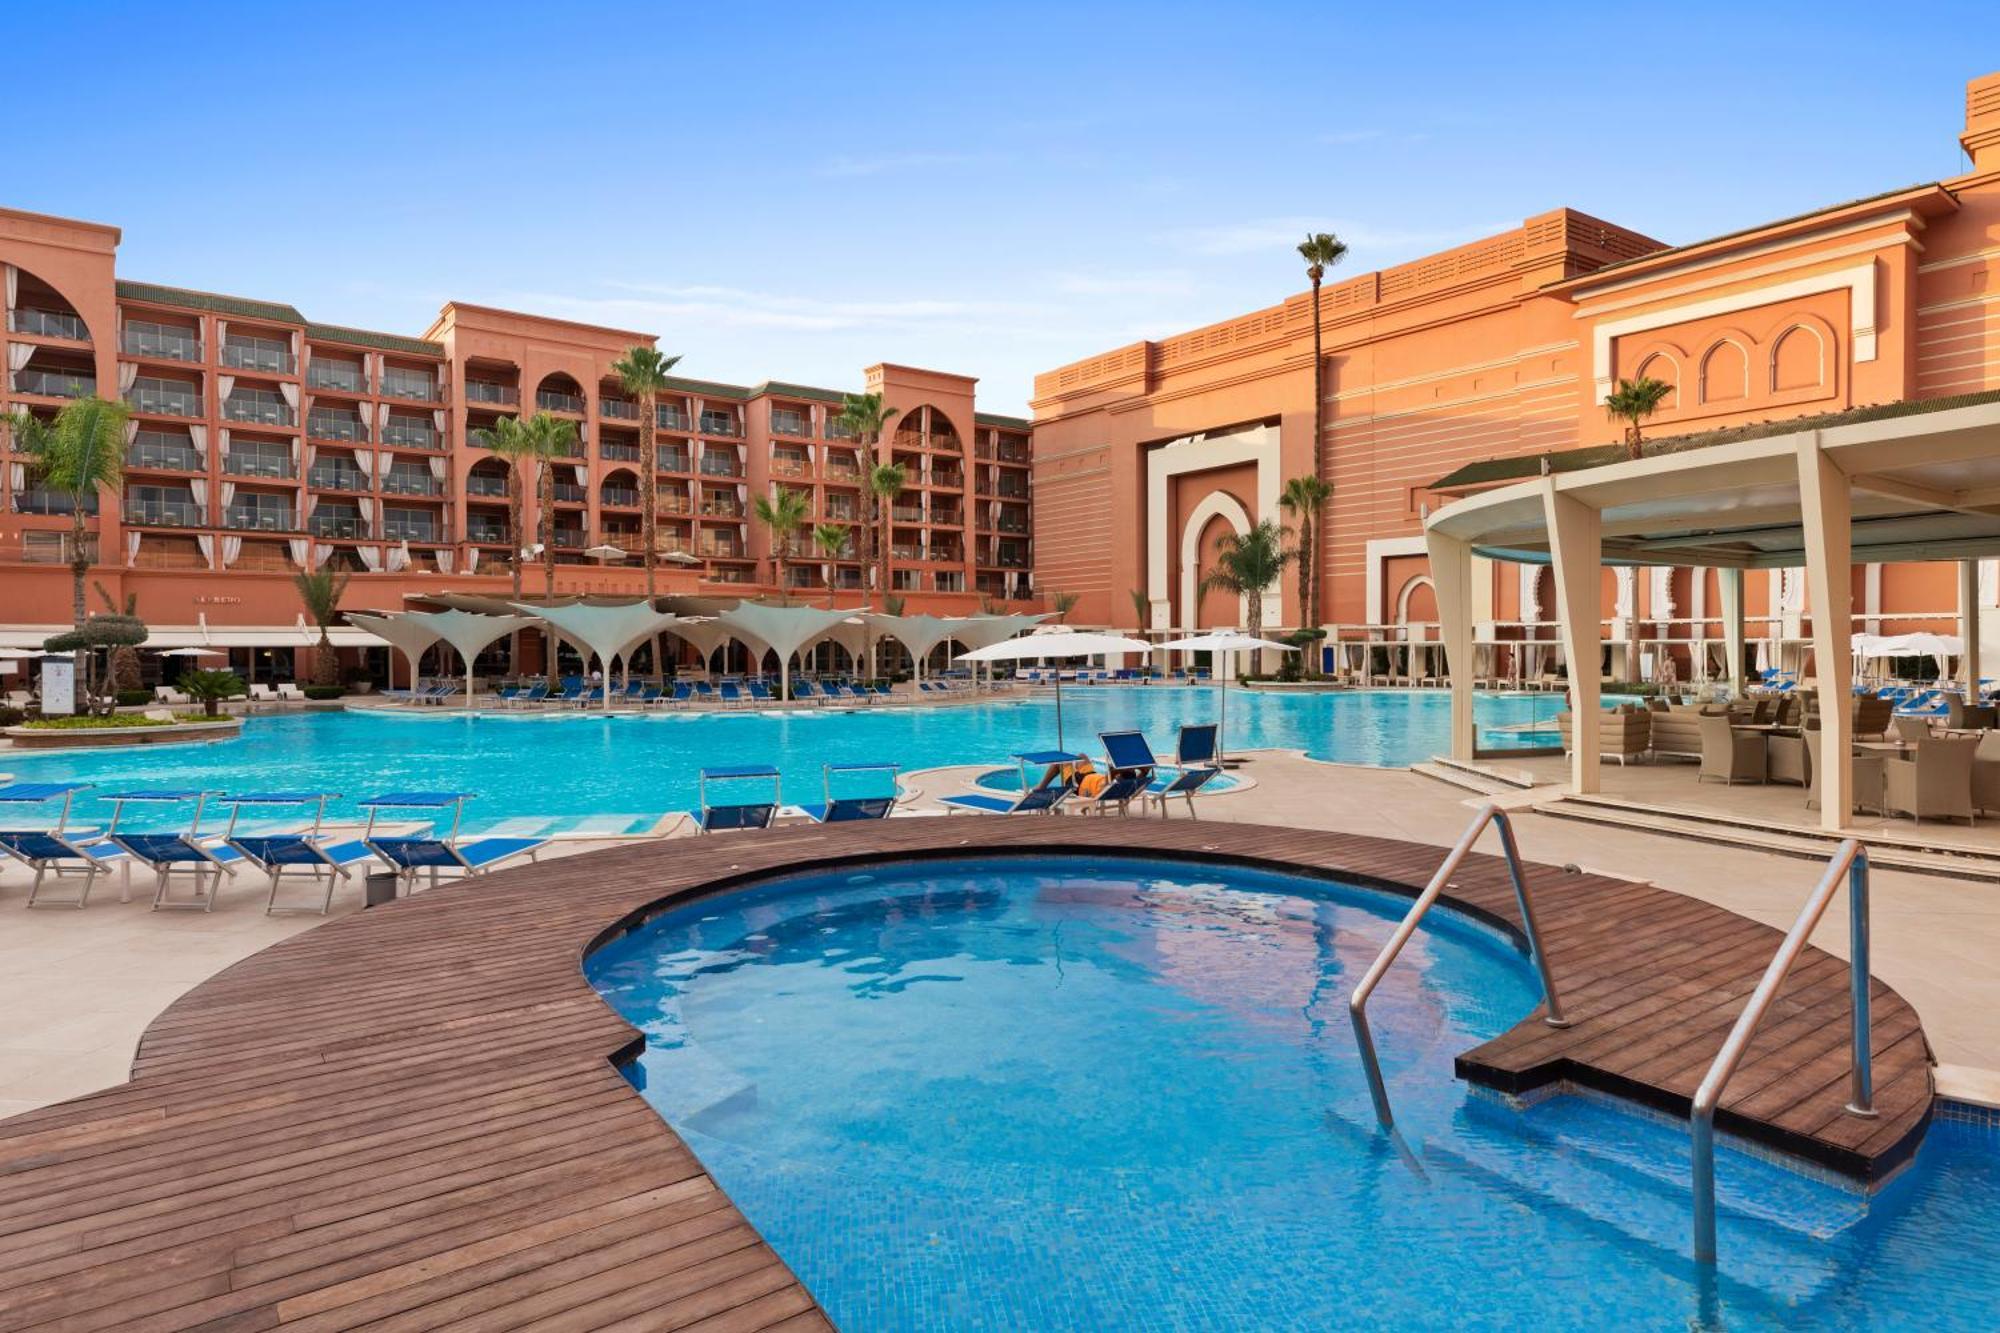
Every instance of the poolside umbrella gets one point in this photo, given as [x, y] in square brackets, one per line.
[1059, 642]
[605, 551]
[192, 652]
[1224, 641]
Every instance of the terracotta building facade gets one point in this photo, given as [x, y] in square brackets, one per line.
[1505, 349]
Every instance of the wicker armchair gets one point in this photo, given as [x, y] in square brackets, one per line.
[1728, 755]
[1986, 773]
[1867, 776]
[1935, 782]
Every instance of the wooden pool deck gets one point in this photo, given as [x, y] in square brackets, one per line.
[411, 1119]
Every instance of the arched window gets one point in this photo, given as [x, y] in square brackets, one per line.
[1725, 373]
[1798, 359]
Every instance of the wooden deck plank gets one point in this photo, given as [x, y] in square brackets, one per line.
[409, 1117]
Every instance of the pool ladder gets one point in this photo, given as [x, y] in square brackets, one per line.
[1850, 862]
[1357, 1003]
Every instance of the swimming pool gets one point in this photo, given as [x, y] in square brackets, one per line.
[583, 772]
[1105, 1093]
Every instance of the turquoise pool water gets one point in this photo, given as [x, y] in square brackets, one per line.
[1093, 1094]
[585, 772]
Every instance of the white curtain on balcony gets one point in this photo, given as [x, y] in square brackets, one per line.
[320, 552]
[128, 374]
[371, 558]
[367, 508]
[221, 333]
[444, 560]
[232, 548]
[312, 505]
[471, 559]
[301, 548]
[437, 422]
[291, 395]
[437, 466]
[132, 548]
[582, 472]
[297, 454]
[131, 431]
[225, 492]
[399, 557]
[199, 490]
[13, 284]
[365, 460]
[18, 475]
[224, 386]
[309, 455]
[295, 350]
[381, 416]
[207, 545]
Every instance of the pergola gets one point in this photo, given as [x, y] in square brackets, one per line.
[1905, 481]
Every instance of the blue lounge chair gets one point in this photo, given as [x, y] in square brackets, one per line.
[731, 693]
[682, 693]
[1130, 766]
[330, 858]
[719, 816]
[166, 853]
[58, 848]
[805, 691]
[1199, 746]
[761, 693]
[704, 692]
[411, 855]
[845, 809]
[534, 694]
[1043, 797]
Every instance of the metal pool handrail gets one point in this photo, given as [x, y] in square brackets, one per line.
[1357, 1003]
[1852, 859]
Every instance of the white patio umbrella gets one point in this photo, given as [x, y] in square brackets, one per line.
[1224, 641]
[605, 552]
[192, 652]
[1060, 643]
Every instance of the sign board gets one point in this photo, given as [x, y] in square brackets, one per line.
[58, 686]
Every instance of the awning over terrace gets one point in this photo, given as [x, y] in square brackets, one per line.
[1906, 481]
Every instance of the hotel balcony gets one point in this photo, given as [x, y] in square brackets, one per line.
[790, 465]
[485, 534]
[50, 548]
[48, 324]
[947, 516]
[337, 477]
[167, 398]
[258, 407]
[328, 424]
[570, 539]
[248, 462]
[675, 504]
[1008, 522]
[727, 576]
[160, 342]
[618, 409]
[260, 354]
[720, 423]
[408, 527]
[790, 423]
[163, 512]
[671, 418]
[251, 515]
[410, 433]
[159, 451]
[907, 513]
[413, 481]
[618, 453]
[950, 479]
[619, 497]
[409, 385]
[569, 493]
[549, 400]
[721, 465]
[55, 383]
[482, 485]
[716, 548]
[675, 460]
[722, 509]
[837, 429]
[1012, 453]
[485, 391]
[35, 500]
[342, 527]
[840, 509]
[336, 376]
[1011, 488]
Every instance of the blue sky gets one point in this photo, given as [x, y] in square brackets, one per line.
[795, 192]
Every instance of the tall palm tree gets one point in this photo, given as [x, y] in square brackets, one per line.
[866, 418]
[1632, 402]
[832, 540]
[885, 487]
[79, 453]
[783, 513]
[320, 590]
[508, 439]
[1305, 497]
[1321, 251]
[1063, 603]
[549, 438]
[644, 372]
[1248, 563]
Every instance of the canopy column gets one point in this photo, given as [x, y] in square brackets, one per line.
[1451, 577]
[1827, 507]
[1968, 627]
[1576, 549]
[1731, 583]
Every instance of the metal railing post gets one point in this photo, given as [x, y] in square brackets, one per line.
[1851, 862]
[1357, 1003]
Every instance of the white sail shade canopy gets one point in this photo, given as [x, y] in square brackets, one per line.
[608, 632]
[783, 629]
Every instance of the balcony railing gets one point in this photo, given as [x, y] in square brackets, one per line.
[904, 551]
[496, 486]
[54, 383]
[410, 434]
[907, 513]
[486, 534]
[146, 453]
[672, 418]
[569, 539]
[721, 509]
[263, 409]
[406, 530]
[415, 388]
[721, 550]
[713, 465]
[337, 376]
[719, 423]
[48, 324]
[1013, 453]
[619, 453]
[162, 342]
[790, 467]
[268, 357]
[1011, 490]
[838, 430]
[785, 423]
[347, 526]
[336, 426]
[38, 501]
[568, 492]
[620, 496]
[840, 513]
[257, 465]
[674, 460]
[337, 478]
[411, 483]
[485, 391]
[618, 408]
[163, 513]
[551, 401]
[948, 478]
[676, 504]
[260, 518]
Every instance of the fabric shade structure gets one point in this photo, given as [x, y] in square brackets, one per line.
[608, 632]
[985, 631]
[1920, 644]
[1059, 643]
[919, 634]
[465, 631]
[1224, 641]
[400, 633]
[784, 629]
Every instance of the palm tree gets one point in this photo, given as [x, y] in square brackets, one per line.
[831, 539]
[508, 438]
[320, 590]
[122, 666]
[549, 438]
[865, 418]
[783, 513]
[1142, 606]
[1064, 603]
[1321, 251]
[79, 453]
[1632, 402]
[1248, 563]
[1305, 497]
[885, 484]
[644, 372]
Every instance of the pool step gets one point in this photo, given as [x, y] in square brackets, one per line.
[1478, 778]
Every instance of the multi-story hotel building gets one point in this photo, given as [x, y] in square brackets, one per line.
[262, 443]
[1491, 361]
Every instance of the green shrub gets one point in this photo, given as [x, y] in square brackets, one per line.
[85, 722]
[12, 717]
[134, 698]
[323, 691]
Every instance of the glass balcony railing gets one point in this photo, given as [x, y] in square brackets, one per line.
[38, 501]
[257, 465]
[410, 434]
[673, 460]
[337, 377]
[568, 492]
[721, 465]
[54, 383]
[721, 509]
[569, 539]
[414, 388]
[789, 423]
[719, 423]
[48, 324]
[272, 358]
[337, 478]
[619, 453]
[672, 418]
[261, 518]
[409, 530]
[336, 426]
[263, 409]
[620, 496]
[168, 513]
[486, 534]
[551, 401]
[396, 482]
[786, 466]
[492, 486]
[177, 457]
[838, 430]
[165, 398]
[485, 391]
[163, 342]
[618, 408]
[348, 526]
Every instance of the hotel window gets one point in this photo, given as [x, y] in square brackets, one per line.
[258, 458]
[251, 353]
[261, 513]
